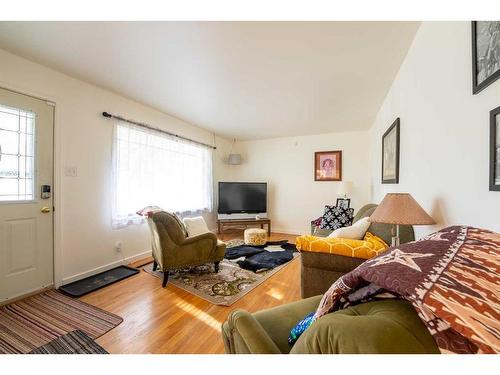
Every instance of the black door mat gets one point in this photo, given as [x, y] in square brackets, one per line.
[92, 283]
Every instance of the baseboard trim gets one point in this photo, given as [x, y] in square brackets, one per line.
[273, 231]
[106, 267]
[26, 294]
[287, 231]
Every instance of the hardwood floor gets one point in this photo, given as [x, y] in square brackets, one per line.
[171, 320]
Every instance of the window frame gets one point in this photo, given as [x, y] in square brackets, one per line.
[34, 195]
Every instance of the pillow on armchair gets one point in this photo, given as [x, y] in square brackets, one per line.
[336, 217]
[195, 226]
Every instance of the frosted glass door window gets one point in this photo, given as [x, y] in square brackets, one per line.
[17, 146]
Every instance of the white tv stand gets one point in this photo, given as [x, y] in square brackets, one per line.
[241, 216]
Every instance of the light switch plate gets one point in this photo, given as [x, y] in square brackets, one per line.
[70, 171]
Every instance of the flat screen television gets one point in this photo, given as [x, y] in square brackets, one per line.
[242, 197]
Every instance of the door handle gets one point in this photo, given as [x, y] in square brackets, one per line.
[45, 210]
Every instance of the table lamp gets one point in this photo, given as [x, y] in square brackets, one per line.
[344, 188]
[400, 209]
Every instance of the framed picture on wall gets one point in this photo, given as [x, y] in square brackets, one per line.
[485, 54]
[390, 154]
[328, 166]
[495, 149]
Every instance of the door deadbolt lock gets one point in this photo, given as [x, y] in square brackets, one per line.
[45, 192]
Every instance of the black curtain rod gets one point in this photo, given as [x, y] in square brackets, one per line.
[109, 115]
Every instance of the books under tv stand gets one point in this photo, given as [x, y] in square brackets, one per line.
[221, 223]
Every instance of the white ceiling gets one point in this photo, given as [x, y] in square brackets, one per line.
[244, 80]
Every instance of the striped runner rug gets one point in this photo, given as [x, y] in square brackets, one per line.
[35, 321]
[76, 342]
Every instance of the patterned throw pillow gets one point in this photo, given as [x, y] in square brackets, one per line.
[336, 217]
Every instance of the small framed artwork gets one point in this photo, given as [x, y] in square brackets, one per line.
[343, 203]
[495, 149]
[390, 154]
[328, 166]
[485, 54]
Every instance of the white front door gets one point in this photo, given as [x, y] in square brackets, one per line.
[26, 175]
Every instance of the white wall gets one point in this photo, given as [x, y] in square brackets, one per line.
[84, 238]
[444, 151]
[444, 130]
[287, 165]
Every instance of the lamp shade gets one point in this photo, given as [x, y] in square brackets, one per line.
[234, 159]
[400, 208]
[344, 188]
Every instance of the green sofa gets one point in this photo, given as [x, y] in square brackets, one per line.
[389, 326]
[173, 249]
[380, 327]
[320, 270]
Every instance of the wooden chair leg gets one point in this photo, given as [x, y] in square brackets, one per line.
[216, 264]
[165, 279]
[155, 266]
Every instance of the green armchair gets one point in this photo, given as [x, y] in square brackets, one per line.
[389, 326]
[173, 249]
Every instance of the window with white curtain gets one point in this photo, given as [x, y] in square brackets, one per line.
[151, 168]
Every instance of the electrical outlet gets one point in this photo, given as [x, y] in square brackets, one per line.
[118, 246]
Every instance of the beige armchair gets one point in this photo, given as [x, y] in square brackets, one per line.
[172, 249]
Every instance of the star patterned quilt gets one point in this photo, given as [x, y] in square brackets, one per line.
[451, 277]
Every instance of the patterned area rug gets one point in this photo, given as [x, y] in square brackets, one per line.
[223, 288]
[35, 321]
[76, 342]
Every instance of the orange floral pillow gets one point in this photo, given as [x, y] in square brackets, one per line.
[378, 242]
[367, 248]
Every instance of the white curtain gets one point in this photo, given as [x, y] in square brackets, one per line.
[151, 168]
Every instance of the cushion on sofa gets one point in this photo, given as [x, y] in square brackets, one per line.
[377, 241]
[354, 232]
[336, 217]
[389, 326]
[367, 248]
[279, 320]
